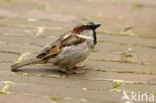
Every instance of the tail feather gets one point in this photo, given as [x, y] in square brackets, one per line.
[26, 62]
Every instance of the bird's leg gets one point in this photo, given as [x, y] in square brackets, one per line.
[77, 71]
[79, 66]
[74, 71]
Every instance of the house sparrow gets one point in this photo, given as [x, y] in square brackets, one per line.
[68, 51]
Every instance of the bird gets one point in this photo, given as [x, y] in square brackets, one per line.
[68, 51]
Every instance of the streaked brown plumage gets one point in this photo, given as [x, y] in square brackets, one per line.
[72, 41]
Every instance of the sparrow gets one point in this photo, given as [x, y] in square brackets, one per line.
[68, 51]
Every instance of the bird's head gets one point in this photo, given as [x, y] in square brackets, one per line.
[85, 26]
[87, 29]
[91, 26]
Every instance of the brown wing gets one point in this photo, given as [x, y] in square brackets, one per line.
[55, 48]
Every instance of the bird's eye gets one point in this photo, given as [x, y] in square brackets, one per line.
[88, 27]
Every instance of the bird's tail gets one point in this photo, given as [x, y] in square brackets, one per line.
[26, 62]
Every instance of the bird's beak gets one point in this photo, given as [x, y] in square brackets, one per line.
[96, 26]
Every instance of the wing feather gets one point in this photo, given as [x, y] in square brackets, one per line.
[56, 47]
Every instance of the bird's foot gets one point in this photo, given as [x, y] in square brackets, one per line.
[77, 69]
[79, 66]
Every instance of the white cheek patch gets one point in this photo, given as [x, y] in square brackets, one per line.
[85, 37]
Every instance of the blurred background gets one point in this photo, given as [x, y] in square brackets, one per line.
[123, 60]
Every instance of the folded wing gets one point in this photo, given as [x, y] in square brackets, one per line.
[55, 48]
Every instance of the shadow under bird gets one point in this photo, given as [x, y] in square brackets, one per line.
[68, 51]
